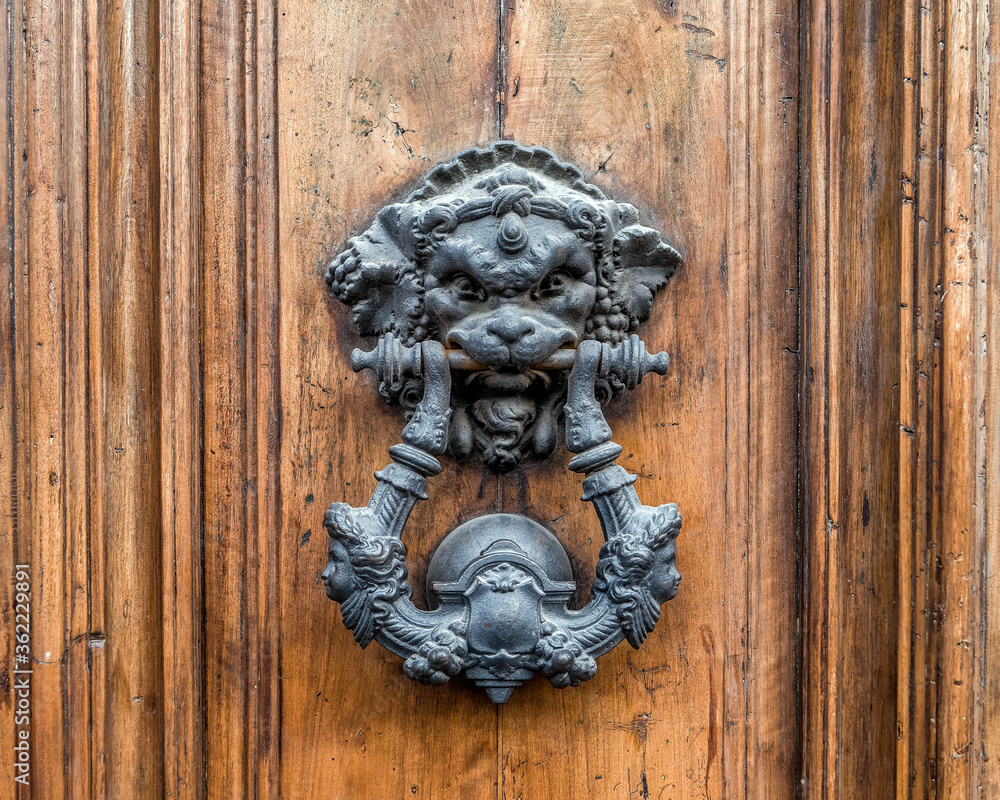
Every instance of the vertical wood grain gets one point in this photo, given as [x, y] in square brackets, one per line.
[921, 135]
[960, 389]
[956, 555]
[986, 746]
[78, 395]
[13, 547]
[48, 337]
[850, 415]
[41, 506]
[129, 411]
[8, 428]
[947, 266]
[97, 127]
[225, 422]
[80, 205]
[770, 196]
[240, 362]
[264, 418]
[180, 401]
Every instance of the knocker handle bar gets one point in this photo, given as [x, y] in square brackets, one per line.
[629, 360]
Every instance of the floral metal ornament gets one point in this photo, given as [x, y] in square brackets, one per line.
[505, 292]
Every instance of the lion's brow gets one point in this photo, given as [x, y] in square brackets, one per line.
[459, 252]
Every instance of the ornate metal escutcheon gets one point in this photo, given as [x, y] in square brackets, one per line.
[505, 292]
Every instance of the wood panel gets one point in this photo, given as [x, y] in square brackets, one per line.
[948, 534]
[42, 434]
[919, 197]
[226, 408]
[656, 106]
[850, 413]
[986, 198]
[129, 412]
[180, 401]
[934, 64]
[46, 179]
[83, 504]
[10, 247]
[241, 435]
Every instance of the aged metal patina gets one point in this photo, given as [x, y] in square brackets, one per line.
[505, 292]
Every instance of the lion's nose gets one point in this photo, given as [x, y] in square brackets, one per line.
[510, 325]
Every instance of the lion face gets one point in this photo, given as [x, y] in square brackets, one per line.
[508, 254]
[510, 291]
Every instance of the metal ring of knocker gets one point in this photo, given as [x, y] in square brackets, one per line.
[499, 584]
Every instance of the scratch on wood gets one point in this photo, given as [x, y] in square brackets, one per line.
[695, 29]
[639, 725]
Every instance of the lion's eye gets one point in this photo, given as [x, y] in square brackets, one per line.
[467, 288]
[553, 285]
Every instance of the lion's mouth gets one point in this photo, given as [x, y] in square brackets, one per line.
[507, 381]
[515, 358]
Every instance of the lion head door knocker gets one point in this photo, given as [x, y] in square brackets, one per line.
[505, 292]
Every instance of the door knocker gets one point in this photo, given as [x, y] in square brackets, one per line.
[505, 291]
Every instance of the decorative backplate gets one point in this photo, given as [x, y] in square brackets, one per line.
[504, 291]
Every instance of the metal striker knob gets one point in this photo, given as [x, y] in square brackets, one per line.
[630, 360]
[390, 360]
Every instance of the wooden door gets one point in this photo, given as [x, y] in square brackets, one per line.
[179, 406]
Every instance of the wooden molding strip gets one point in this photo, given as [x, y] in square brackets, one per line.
[900, 544]
[850, 211]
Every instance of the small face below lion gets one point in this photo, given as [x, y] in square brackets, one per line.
[339, 575]
[511, 291]
[664, 577]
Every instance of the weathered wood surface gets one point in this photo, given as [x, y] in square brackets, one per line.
[181, 467]
[178, 405]
[81, 370]
[950, 530]
[850, 401]
[986, 403]
[899, 400]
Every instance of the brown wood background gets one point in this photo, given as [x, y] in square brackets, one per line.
[178, 407]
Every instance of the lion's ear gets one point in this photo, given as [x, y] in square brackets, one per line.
[643, 264]
[376, 275]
